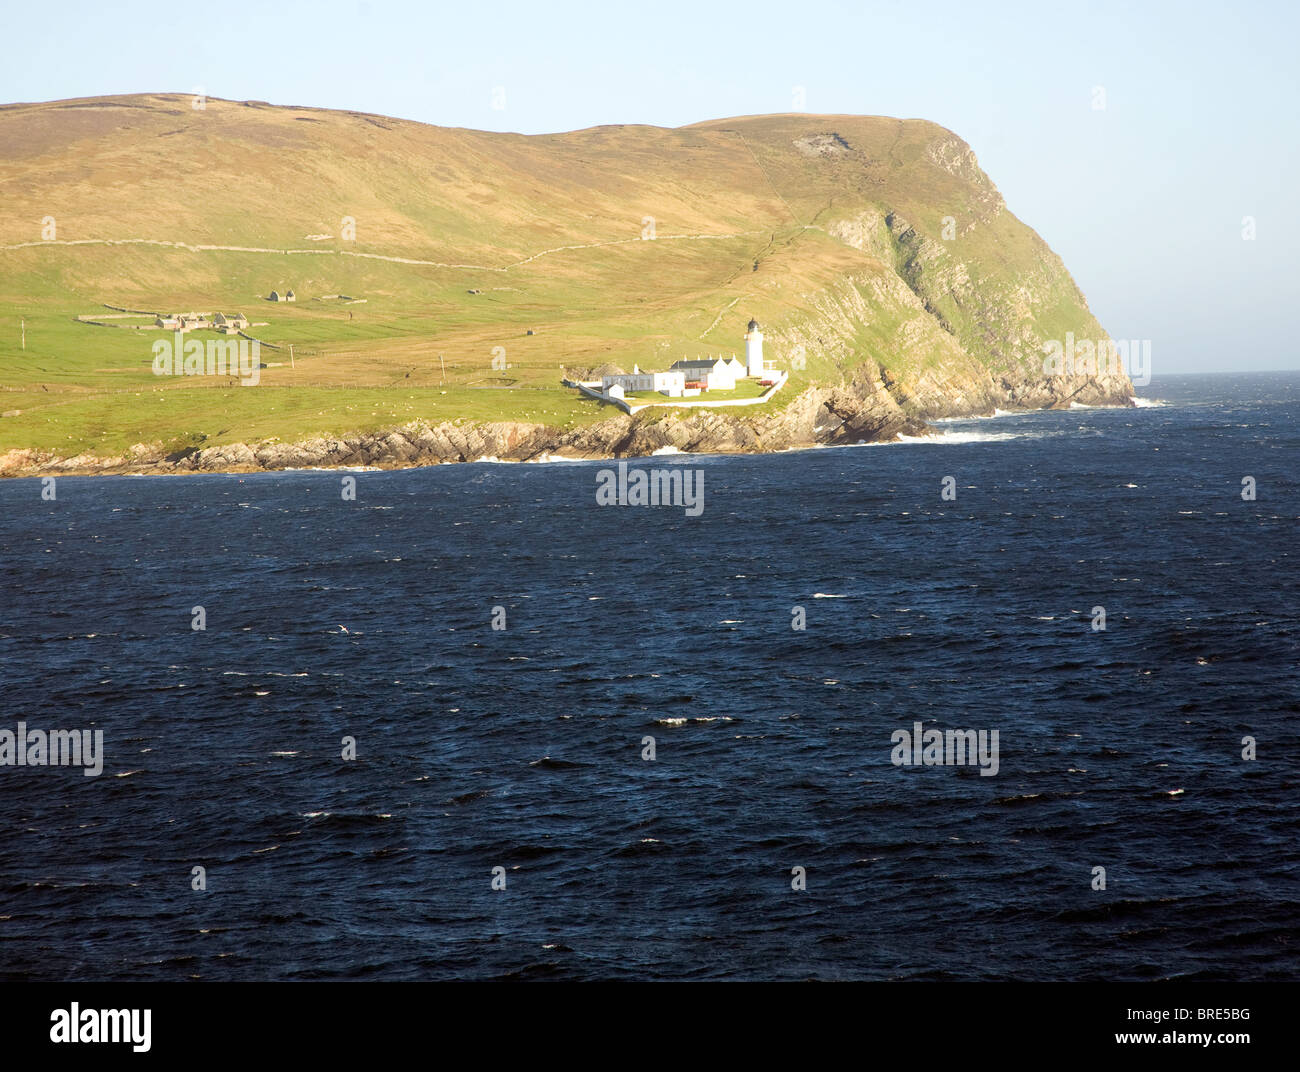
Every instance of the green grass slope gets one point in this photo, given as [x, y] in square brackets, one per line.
[869, 248]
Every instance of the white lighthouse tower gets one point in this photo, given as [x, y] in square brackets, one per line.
[754, 350]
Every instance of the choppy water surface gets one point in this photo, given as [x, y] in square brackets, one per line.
[522, 748]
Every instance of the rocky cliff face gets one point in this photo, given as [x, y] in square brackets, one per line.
[942, 341]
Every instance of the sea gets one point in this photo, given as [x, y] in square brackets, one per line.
[466, 722]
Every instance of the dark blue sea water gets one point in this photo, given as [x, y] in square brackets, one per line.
[522, 748]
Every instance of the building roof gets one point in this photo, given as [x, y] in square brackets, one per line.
[697, 362]
[753, 325]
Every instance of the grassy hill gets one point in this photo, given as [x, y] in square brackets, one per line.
[877, 255]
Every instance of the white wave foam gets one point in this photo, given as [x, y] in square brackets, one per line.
[950, 438]
[980, 416]
[1149, 403]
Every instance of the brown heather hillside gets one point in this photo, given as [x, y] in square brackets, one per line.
[829, 229]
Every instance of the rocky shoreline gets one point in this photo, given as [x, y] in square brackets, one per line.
[867, 410]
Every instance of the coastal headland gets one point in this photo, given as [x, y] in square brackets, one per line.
[413, 295]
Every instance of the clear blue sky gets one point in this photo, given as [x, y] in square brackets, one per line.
[1143, 199]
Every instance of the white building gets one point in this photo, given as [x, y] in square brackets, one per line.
[754, 349]
[666, 383]
[714, 373]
